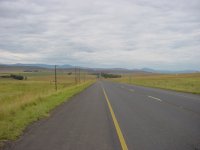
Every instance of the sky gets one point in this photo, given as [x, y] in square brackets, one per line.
[158, 34]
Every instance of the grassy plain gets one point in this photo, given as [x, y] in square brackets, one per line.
[25, 101]
[178, 82]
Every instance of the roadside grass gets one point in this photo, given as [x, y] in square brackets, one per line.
[179, 82]
[23, 102]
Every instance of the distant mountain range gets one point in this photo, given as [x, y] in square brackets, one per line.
[39, 65]
[168, 71]
[108, 70]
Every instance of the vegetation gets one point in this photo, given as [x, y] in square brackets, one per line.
[106, 75]
[179, 82]
[25, 101]
[17, 77]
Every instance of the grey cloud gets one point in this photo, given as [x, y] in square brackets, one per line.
[107, 33]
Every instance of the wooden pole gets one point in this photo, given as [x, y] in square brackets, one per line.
[55, 79]
[79, 80]
[75, 75]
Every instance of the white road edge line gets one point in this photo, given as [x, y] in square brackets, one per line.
[132, 90]
[155, 98]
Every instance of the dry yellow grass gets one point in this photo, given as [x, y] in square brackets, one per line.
[179, 82]
[19, 97]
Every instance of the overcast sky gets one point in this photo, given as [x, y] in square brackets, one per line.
[160, 34]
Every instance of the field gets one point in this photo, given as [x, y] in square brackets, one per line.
[25, 101]
[179, 82]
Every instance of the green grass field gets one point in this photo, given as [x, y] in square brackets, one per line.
[178, 82]
[25, 101]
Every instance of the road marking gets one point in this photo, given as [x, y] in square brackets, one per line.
[155, 98]
[117, 127]
[131, 90]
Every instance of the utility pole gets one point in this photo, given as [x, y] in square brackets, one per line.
[84, 73]
[55, 79]
[75, 76]
[79, 80]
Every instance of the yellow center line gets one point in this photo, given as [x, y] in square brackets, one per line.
[117, 127]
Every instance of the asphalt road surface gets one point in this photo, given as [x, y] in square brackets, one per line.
[113, 116]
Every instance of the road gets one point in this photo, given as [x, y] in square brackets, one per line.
[113, 116]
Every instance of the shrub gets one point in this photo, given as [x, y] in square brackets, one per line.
[17, 77]
[105, 75]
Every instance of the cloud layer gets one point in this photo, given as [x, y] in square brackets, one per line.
[162, 34]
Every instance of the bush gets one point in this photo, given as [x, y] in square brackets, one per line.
[17, 77]
[105, 75]
[5, 76]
